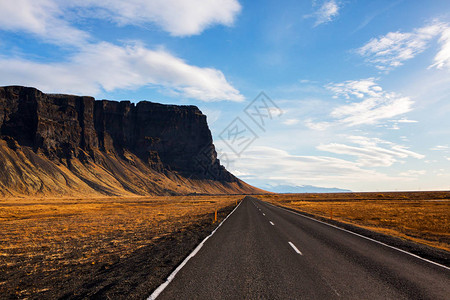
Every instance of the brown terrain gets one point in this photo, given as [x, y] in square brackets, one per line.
[103, 199]
[76, 146]
[109, 248]
[422, 217]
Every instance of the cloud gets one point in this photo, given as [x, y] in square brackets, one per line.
[413, 173]
[326, 12]
[41, 18]
[178, 17]
[369, 151]
[93, 67]
[281, 165]
[442, 58]
[357, 88]
[440, 148]
[263, 165]
[391, 50]
[403, 120]
[109, 67]
[374, 104]
[290, 122]
[48, 19]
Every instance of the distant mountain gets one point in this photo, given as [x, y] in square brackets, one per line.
[302, 189]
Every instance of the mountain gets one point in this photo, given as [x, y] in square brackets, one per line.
[302, 189]
[52, 144]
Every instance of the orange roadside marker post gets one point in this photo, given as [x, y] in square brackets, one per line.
[331, 213]
[215, 216]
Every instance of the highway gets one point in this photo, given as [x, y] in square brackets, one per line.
[265, 252]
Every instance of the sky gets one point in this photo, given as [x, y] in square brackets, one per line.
[353, 94]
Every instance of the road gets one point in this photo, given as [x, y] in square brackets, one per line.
[266, 252]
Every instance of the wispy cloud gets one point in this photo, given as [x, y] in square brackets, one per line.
[48, 20]
[96, 66]
[41, 18]
[178, 17]
[393, 49]
[109, 67]
[372, 104]
[440, 148]
[326, 12]
[294, 168]
[371, 152]
[442, 58]
[268, 165]
[413, 173]
[290, 122]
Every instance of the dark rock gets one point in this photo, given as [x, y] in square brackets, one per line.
[164, 137]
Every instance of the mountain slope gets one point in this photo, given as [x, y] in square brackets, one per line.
[71, 145]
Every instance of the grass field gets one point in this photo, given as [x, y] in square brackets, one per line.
[43, 240]
[423, 217]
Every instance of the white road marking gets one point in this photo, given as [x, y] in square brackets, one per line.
[295, 248]
[364, 237]
[272, 223]
[193, 253]
[264, 214]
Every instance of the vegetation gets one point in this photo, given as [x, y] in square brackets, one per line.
[59, 244]
[423, 217]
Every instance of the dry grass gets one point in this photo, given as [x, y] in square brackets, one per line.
[423, 217]
[41, 236]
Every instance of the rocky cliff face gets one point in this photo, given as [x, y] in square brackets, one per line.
[73, 133]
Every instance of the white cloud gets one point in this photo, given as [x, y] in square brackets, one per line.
[280, 165]
[290, 122]
[178, 17]
[404, 120]
[442, 58]
[98, 66]
[326, 12]
[391, 50]
[48, 19]
[372, 110]
[440, 148]
[375, 104]
[267, 165]
[42, 18]
[357, 88]
[369, 153]
[413, 173]
[109, 67]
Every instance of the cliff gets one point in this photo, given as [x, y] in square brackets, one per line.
[70, 145]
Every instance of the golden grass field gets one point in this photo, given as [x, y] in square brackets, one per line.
[422, 217]
[42, 236]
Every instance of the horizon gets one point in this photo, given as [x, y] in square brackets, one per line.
[333, 94]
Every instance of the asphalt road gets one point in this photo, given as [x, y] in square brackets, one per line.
[265, 252]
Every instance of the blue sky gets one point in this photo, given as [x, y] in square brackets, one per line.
[359, 90]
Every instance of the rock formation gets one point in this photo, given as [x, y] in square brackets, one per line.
[65, 144]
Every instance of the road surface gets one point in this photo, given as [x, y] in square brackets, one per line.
[266, 252]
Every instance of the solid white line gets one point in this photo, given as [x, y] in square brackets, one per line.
[272, 223]
[161, 288]
[295, 248]
[365, 237]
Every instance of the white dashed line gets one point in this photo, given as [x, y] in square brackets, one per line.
[272, 223]
[264, 214]
[364, 237]
[295, 248]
